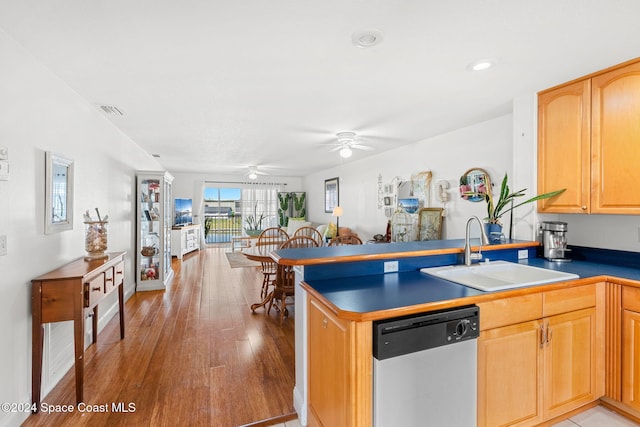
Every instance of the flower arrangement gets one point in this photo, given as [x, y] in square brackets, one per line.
[506, 201]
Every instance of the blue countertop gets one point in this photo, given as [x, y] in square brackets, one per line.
[383, 292]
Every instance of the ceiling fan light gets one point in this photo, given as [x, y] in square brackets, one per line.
[346, 152]
[253, 175]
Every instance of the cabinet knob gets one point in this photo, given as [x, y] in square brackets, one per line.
[325, 323]
[584, 208]
[97, 288]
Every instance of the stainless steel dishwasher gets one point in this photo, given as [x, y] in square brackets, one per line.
[425, 369]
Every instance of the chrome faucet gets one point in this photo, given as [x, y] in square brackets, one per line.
[468, 256]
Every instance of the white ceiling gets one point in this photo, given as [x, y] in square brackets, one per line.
[216, 86]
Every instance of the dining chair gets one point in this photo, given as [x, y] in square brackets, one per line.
[271, 238]
[309, 232]
[346, 239]
[284, 283]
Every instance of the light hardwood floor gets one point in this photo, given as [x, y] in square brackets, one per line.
[193, 355]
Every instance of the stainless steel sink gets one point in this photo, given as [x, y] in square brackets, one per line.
[498, 275]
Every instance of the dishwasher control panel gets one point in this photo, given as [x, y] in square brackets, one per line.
[408, 334]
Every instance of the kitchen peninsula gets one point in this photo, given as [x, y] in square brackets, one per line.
[335, 308]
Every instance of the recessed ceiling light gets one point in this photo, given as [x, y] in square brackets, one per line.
[366, 38]
[482, 64]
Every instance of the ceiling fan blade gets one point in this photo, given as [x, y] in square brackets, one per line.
[336, 148]
[362, 147]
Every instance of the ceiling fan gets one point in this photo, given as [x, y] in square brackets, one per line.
[253, 172]
[347, 142]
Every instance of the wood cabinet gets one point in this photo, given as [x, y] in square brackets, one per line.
[631, 347]
[509, 368]
[588, 132]
[72, 292]
[184, 240]
[564, 144]
[340, 389]
[544, 365]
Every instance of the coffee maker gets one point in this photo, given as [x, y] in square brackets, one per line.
[554, 240]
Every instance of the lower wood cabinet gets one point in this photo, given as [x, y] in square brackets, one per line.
[509, 369]
[631, 347]
[340, 390]
[570, 362]
[538, 369]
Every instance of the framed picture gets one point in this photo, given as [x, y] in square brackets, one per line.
[331, 194]
[410, 204]
[430, 224]
[387, 201]
[58, 193]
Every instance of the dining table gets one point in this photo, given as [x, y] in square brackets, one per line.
[262, 254]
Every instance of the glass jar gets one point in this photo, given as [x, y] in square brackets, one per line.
[95, 242]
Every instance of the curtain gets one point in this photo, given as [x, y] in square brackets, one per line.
[198, 210]
[261, 200]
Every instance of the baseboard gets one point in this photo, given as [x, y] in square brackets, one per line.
[621, 409]
[300, 406]
[273, 421]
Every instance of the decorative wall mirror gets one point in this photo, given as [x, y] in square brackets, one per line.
[474, 184]
[58, 193]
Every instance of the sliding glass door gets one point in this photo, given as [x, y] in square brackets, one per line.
[229, 211]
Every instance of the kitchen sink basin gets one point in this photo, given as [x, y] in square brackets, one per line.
[498, 275]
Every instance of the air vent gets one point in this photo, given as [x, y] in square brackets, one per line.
[111, 110]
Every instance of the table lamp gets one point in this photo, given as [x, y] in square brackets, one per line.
[337, 212]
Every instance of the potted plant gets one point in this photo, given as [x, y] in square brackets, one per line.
[506, 203]
[254, 222]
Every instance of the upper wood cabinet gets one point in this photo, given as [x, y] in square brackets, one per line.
[589, 143]
[564, 144]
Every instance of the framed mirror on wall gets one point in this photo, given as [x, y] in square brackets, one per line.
[474, 184]
[58, 193]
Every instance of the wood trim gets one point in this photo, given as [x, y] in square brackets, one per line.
[346, 256]
[613, 339]
[438, 305]
[361, 374]
[591, 75]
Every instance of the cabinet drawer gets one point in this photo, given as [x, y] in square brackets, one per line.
[94, 290]
[570, 299]
[631, 298]
[509, 311]
[109, 283]
[119, 274]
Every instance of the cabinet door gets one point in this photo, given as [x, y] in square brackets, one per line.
[328, 368]
[615, 141]
[631, 358]
[508, 376]
[564, 130]
[570, 361]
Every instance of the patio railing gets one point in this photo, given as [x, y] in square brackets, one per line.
[220, 229]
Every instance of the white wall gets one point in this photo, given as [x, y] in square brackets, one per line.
[39, 113]
[186, 184]
[486, 145]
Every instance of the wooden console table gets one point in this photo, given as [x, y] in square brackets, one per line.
[68, 293]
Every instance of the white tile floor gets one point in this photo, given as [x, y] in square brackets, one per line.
[594, 417]
[598, 416]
